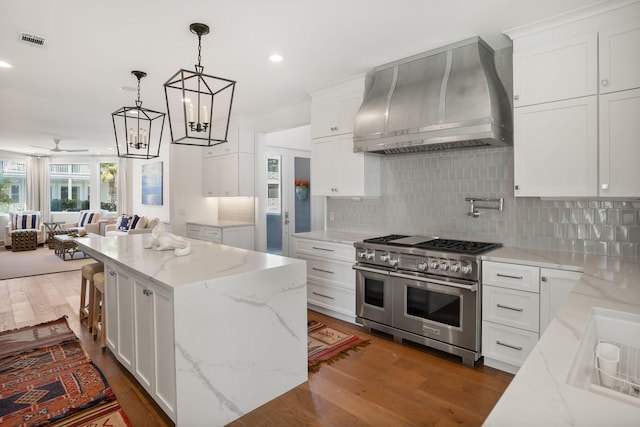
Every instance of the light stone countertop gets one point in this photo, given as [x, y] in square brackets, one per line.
[206, 261]
[335, 236]
[222, 223]
[539, 394]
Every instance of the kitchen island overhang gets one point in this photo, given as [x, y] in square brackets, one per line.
[238, 319]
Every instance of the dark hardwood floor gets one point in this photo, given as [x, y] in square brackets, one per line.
[383, 384]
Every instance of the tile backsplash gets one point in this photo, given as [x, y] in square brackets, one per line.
[424, 193]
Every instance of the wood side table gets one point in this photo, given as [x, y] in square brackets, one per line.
[65, 245]
[53, 228]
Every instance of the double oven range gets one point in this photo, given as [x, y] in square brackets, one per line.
[422, 289]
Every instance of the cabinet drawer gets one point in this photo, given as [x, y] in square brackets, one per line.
[331, 298]
[339, 272]
[506, 344]
[339, 251]
[512, 308]
[194, 231]
[212, 234]
[513, 276]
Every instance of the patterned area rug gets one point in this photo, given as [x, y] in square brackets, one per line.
[48, 379]
[326, 345]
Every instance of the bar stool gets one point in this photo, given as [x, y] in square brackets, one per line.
[99, 310]
[87, 277]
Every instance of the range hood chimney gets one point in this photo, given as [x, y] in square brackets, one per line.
[442, 99]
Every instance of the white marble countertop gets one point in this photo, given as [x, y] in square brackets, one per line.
[205, 262]
[222, 223]
[334, 236]
[539, 394]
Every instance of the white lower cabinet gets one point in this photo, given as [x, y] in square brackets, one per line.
[518, 302]
[331, 287]
[139, 319]
[239, 236]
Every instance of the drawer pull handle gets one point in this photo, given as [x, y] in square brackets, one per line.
[323, 249]
[515, 347]
[147, 292]
[321, 270]
[508, 276]
[324, 296]
[112, 273]
[508, 308]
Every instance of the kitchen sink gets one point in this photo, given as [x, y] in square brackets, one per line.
[608, 359]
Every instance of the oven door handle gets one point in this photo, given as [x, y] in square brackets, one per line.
[371, 270]
[470, 288]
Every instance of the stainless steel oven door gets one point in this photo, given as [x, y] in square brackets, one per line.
[373, 295]
[437, 309]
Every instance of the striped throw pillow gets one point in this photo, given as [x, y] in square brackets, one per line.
[26, 221]
[86, 218]
[123, 223]
[138, 222]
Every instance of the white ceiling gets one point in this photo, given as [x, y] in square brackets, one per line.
[69, 88]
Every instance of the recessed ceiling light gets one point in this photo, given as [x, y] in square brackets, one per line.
[275, 58]
[5, 65]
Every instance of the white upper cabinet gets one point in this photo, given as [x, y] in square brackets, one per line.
[333, 110]
[335, 169]
[620, 144]
[228, 167]
[557, 70]
[556, 147]
[620, 58]
[577, 105]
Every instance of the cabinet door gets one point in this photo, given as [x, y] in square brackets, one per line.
[556, 149]
[211, 176]
[323, 119]
[111, 308]
[164, 386]
[321, 168]
[125, 346]
[555, 71]
[238, 237]
[228, 172]
[555, 287]
[348, 168]
[620, 144]
[620, 58]
[144, 334]
[346, 110]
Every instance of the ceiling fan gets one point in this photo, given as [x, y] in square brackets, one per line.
[57, 149]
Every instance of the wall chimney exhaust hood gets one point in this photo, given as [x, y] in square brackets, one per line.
[446, 98]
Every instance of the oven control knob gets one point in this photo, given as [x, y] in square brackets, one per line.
[466, 269]
[455, 267]
[362, 254]
[370, 255]
[444, 266]
[384, 257]
[422, 265]
[434, 264]
[393, 262]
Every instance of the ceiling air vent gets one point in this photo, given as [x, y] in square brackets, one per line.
[30, 39]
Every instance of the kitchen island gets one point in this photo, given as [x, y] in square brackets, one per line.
[540, 394]
[211, 335]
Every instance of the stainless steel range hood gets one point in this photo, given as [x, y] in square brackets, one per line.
[446, 98]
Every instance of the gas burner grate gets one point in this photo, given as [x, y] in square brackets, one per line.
[385, 239]
[458, 246]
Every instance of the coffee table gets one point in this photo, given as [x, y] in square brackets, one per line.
[64, 245]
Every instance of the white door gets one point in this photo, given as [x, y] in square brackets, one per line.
[288, 202]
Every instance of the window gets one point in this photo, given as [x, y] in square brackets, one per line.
[13, 179]
[70, 186]
[108, 188]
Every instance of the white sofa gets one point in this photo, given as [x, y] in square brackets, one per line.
[27, 220]
[144, 225]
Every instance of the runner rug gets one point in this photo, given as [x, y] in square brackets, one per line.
[326, 344]
[47, 378]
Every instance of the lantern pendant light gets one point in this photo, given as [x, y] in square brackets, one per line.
[198, 104]
[136, 129]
